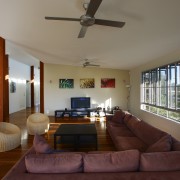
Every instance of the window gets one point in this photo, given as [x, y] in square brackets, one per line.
[160, 91]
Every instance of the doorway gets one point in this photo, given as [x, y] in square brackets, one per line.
[28, 93]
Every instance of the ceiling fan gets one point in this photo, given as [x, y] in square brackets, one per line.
[87, 63]
[88, 19]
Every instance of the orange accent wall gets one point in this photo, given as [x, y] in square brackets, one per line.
[41, 87]
[4, 85]
[6, 90]
[2, 56]
[32, 86]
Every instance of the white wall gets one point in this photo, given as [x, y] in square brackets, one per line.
[36, 86]
[18, 73]
[28, 94]
[56, 98]
[165, 124]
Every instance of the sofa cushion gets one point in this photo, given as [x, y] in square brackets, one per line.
[118, 116]
[160, 161]
[40, 144]
[147, 133]
[112, 161]
[163, 145]
[126, 143]
[121, 131]
[112, 123]
[54, 163]
[132, 122]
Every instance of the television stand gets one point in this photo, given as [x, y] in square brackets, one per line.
[74, 112]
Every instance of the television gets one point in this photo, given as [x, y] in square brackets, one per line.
[80, 102]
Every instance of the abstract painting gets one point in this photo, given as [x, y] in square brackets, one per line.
[66, 83]
[12, 87]
[87, 83]
[107, 83]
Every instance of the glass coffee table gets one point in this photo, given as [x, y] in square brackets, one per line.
[76, 134]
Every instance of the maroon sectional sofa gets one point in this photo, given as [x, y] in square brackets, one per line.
[143, 153]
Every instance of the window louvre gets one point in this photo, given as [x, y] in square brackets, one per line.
[160, 91]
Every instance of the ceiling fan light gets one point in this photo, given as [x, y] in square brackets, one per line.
[85, 5]
[86, 20]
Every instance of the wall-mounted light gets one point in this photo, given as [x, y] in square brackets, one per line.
[85, 5]
[32, 81]
[7, 77]
[127, 85]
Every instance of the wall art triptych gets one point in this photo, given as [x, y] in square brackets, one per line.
[12, 87]
[107, 83]
[66, 83]
[87, 83]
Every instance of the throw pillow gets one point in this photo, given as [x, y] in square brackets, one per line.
[163, 145]
[54, 163]
[40, 145]
[160, 161]
[175, 145]
[133, 122]
[118, 116]
[127, 117]
[122, 161]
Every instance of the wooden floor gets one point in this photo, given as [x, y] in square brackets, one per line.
[9, 158]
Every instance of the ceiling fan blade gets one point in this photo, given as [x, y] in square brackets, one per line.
[62, 18]
[92, 7]
[82, 31]
[118, 24]
[94, 65]
[91, 65]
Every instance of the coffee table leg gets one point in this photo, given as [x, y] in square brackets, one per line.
[76, 142]
[96, 143]
[54, 141]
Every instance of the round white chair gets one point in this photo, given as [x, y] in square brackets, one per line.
[10, 136]
[37, 123]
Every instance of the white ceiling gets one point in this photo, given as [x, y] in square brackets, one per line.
[152, 30]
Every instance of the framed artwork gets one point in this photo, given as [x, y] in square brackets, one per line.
[12, 87]
[66, 83]
[107, 83]
[87, 83]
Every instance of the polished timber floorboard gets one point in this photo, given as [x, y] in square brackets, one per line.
[9, 158]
